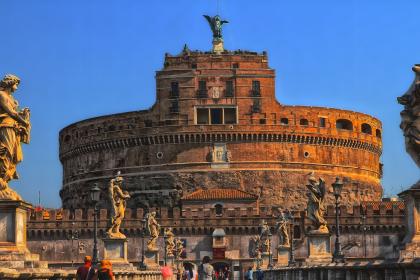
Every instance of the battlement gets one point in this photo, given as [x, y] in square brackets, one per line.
[380, 216]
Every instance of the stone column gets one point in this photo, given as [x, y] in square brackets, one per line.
[411, 240]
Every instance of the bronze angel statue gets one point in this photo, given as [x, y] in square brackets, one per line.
[216, 26]
[316, 204]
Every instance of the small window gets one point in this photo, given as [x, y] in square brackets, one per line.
[229, 89]
[174, 107]
[263, 121]
[344, 124]
[230, 115]
[284, 121]
[216, 116]
[235, 65]
[67, 138]
[256, 88]
[111, 128]
[304, 122]
[202, 116]
[202, 89]
[366, 128]
[256, 107]
[378, 133]
[194, 66]
[322, 122]
[219, 209]
[296, 232]
[174, 90]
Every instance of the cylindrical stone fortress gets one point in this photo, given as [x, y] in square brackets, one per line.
[216, 124]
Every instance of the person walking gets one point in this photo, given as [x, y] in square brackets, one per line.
[259, 274]
[249, 274]
[86, 271]
[105, 271]
[207, 271]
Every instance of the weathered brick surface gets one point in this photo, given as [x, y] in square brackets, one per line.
[158, 150]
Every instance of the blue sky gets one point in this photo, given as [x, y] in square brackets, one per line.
[80, 59]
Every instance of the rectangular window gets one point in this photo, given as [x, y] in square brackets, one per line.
[202, 89]
[212, 115]
[235, 65]
[216, 116]
[230, 115]
[229, 89]
[322, 122]
[174, 90]
[202, 85]
[256, 88]
[202, 116]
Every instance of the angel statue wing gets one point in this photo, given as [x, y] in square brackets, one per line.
[211, 23]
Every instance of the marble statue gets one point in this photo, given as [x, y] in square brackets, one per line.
[410, 117]
[170, 242]
[256, 247]
[282, 227]
[216, 26]
[265, 237]
[118, 199]
[154, 228]
[179, 248]
[316, 204]
[14, 128]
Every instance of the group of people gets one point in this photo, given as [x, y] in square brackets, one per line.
[88, 272]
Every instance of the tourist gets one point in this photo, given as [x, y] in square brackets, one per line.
[167, 272]
[105, 271]
[226, 273]
[207, 270]
[86, 271]
[249, 274]
[259, 274]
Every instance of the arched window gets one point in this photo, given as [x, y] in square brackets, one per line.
[284, 121]
[344, 124]
[304, 122]
[366, 128]
[219, 209]
[378, 133]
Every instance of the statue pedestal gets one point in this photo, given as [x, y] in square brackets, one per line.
[115, 250]
[151, 259]
[411, 249]
[265, 260]
[13, 250]
[319, 248]
[283, 253]
[218, 46]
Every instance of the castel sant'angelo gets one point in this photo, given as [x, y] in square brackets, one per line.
[216, 123]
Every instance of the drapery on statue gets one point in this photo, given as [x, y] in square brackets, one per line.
[179, 248]
[264, 237]
[216, 26]
[316, 204]
[14, 128]
[255, 249]
[154, 228]
[410, 117]
[118, 201]
[282, 228]
[170, 242]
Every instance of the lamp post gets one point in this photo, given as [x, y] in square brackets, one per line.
[142, 265]
[337, 188]
[95, 193]
[165, 237]
[74, 235]
[270, 255]
[289, 218]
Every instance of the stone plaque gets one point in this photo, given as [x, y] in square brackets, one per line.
[114, 251]
[6, 227]
[319, 248]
